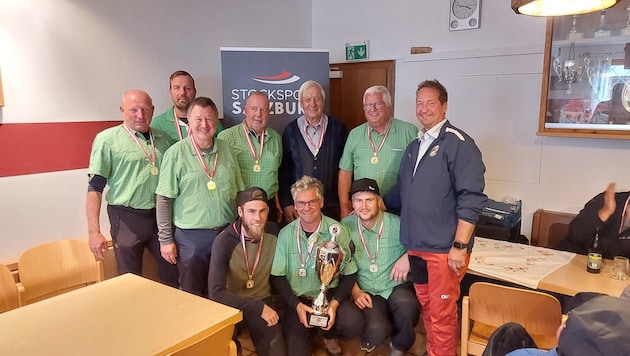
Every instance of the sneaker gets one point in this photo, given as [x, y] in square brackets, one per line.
[367, 347]
[394, 351]
[332, 347]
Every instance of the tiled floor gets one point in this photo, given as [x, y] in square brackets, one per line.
[351, 347]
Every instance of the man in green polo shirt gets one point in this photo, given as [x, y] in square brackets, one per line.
[182, 91]
[258, 149]
[127, 157]
[294, 277]
[383, 291]
[195, 196]
[374, 149]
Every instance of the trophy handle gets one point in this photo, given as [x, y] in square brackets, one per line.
[556, 66]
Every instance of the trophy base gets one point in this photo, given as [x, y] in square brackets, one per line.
[602, 33]
[575, 36]
[319, 320]
[625, 32]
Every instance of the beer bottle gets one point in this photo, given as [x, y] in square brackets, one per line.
[594, 261]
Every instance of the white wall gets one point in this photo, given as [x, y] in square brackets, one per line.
[71, 60]
[493, 75]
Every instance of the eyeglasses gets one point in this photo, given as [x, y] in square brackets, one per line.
[303, 204]
[373, 105]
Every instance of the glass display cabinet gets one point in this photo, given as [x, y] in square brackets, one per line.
[586, 75]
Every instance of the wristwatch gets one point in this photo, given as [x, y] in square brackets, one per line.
[459, 245]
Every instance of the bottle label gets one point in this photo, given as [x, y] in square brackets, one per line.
[594, 260]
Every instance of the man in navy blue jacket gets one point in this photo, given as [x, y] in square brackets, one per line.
[440, 195]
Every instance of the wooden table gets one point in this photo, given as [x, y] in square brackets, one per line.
[125, 315]
[572, 278]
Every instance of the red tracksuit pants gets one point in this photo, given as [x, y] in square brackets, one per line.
[437, 290]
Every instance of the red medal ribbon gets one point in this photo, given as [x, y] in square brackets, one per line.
[203, 161]
[380, 233]
[321, 138]
[258, 156]
[377, 150]
[178, 127]
[135, 139]
[242, 234]
[310, 247]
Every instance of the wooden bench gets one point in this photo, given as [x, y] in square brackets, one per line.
[550, 227]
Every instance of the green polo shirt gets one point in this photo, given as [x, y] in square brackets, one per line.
[389, 251]
[267, 178]
[184, 179]
[166, 122]
[117, 157]
[358, 152]
[286, 261]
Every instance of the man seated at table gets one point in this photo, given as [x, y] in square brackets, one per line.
[597, 327]
[608, 211]
[382, 292]
[239, 272]
[294, 277]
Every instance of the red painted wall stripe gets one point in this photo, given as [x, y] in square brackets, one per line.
[47, 147]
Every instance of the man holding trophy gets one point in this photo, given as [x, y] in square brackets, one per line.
[311, 251]
[383, 292]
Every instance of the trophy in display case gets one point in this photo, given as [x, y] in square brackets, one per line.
[602, 30]
[328, 259]
[573, 32]
[571, 71]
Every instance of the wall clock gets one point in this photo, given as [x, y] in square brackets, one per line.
[464, 14]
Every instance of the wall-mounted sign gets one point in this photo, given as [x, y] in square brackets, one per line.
[358, 51]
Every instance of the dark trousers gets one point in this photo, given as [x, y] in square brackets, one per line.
[273, 212]
[267, 340]
[397, 316]
[299, 340]
[194, 247]
[132, 231]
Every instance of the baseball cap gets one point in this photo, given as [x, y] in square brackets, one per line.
[250, 194]
[364, 185]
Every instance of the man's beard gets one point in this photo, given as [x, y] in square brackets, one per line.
[254, 232]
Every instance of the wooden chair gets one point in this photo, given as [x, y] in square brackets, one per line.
[490, 305]
[550, 227]
[55, 268]
[8, 290]
[214, 344]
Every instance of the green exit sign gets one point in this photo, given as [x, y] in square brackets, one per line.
[357, 50]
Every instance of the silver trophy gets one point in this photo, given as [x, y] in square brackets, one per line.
[571, 70]
[327, 266]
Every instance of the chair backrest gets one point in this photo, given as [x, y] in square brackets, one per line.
[493, 305]
[550, 227]
[8, 290]
[57, 267]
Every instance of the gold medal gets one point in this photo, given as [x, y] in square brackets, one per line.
[211, 185]
[154, 170]
[257, 168]
[302, 272]
[374, 160]
[249, 284]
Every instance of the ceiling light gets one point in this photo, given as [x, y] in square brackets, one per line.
[559, 7]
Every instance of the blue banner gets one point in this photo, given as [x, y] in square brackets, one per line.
[279, 72]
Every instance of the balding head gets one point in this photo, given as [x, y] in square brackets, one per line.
[137, 110]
